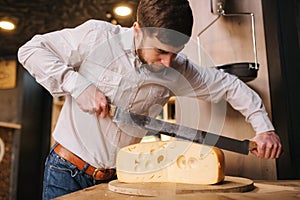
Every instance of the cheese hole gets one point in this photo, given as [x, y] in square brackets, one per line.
[181, 162]
[160, 159]
[219, 165]
[131, 148]
[193, 162]
[137, 168]
[149, 164]
[140, 155]
[201, 156]
[152, 151]
[152, 176]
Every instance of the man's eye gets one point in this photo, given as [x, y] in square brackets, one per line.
[160, 51]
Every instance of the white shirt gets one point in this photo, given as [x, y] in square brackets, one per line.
[66, 62]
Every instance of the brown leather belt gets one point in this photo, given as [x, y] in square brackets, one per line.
[96, 173]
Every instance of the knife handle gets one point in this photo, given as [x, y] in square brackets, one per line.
[111, 110]
[252, 145]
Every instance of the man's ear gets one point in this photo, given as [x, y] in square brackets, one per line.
[138, 33]
[136, 25]
[136, 28]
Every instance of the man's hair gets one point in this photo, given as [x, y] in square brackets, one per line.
[171, 20]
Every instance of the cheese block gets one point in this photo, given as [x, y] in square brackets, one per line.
[170, 161]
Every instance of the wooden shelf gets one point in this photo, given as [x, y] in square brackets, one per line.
[10, 125]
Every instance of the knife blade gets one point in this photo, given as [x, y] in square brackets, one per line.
[120, 115]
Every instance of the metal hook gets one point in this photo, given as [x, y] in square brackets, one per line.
[221, 12]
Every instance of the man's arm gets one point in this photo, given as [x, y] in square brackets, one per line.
[242, 98]
[53, 59]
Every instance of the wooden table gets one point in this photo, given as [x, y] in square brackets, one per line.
[264, 190]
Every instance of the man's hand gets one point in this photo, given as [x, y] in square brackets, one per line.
[268, 145]
[91, 100]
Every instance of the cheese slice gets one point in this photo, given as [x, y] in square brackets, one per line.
[170, 161]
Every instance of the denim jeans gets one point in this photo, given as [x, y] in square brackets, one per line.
[62, 177]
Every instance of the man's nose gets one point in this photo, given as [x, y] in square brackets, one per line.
[167, 59]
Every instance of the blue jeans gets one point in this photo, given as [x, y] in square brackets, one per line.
[62, 177]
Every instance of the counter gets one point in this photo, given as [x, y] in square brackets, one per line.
[264, 190]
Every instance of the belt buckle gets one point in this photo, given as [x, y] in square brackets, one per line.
[103, 170]
[106, 174]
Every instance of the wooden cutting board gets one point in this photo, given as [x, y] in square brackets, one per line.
[230, 184]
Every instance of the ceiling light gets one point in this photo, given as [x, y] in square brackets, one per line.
[123, 11]
[7, 25]
[114, 21]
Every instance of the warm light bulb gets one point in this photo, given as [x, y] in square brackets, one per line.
[7, 25]
[123, 11]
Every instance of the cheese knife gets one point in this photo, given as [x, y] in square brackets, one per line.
[120, 115]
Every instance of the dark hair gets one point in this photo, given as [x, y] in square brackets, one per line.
[166, 17]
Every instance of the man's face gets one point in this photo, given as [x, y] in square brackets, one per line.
[157, 54]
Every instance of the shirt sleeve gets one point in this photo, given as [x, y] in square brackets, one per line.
[53, 59]
[211, 84]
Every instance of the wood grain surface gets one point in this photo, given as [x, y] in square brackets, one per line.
[274, 190]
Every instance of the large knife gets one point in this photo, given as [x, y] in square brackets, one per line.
[153, 125]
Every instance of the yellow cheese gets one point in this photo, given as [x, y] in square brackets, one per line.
[170, 161]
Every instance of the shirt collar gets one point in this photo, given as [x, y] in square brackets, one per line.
[127, 40]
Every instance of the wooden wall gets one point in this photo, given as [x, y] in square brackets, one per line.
[229, 40]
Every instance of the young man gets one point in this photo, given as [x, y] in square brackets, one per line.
[135, 68]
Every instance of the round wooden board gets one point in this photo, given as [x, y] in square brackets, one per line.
[230, 184]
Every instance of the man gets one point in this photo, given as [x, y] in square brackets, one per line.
[136, 68]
